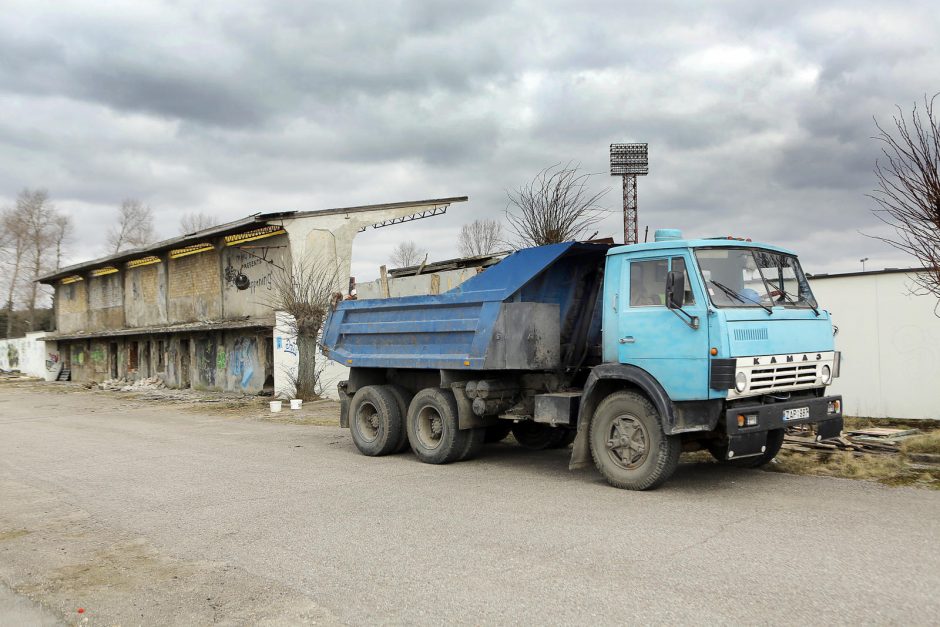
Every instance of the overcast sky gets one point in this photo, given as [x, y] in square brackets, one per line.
[758, 114]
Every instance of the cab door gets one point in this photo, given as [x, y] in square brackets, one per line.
[657, 339]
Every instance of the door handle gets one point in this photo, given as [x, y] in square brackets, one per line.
[627, 340]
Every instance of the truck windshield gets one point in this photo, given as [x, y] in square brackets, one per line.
[753, 277]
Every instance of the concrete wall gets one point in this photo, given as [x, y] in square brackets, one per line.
[261, 264]
[890, 343]
[71, 307]
[30, 355]
[105, 301]
[432, 283]
[194, 288]
[145, 297]
[231, 361]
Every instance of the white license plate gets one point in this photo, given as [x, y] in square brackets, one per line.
[796, 413]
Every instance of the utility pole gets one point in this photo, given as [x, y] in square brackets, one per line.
[629, 161]
[863, 263]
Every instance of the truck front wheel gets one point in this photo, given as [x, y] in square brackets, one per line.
[433, 427]
[375, 421]
[628, 443]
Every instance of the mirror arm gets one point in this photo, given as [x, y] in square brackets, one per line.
[686, 317]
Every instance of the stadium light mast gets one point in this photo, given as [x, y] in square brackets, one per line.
[629, 161]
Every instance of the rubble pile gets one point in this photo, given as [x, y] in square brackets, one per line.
[123, 385]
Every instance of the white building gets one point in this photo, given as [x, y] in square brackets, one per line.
[889, 336]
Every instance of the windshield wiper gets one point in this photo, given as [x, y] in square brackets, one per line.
[795, 303]
[730, 292]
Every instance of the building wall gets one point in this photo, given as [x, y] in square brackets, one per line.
[30, 355]
[230, 361]
[890, 343]
[105, 302]
[71, 306]
[145, 301]
[261, 264]
[194, 288]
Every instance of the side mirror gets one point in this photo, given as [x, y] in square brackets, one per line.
[675, 290]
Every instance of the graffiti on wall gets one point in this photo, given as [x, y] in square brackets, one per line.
[207, 356]
[242, 364]
[52, 360]
[287, 344]
[260, 272]
[13, 356]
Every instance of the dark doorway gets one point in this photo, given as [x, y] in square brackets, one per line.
[145, 359]
[113, 360]
[184, 364]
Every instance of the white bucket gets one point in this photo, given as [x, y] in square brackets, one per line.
[275, 406]
[296, 403]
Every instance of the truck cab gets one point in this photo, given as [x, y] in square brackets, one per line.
[727, 330]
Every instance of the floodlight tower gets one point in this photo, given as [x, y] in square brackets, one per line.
[629, 161]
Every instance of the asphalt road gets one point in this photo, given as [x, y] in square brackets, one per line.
[152, 514]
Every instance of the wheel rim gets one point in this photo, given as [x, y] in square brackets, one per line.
[627, 442]
[367, 421]
[429, 427]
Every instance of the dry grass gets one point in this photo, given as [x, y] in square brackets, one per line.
[886, 469]
[926, 443]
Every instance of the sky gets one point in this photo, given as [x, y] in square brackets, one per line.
[759, 115]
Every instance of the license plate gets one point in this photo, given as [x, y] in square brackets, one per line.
[796, 413]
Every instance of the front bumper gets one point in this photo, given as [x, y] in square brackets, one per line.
[744, 441]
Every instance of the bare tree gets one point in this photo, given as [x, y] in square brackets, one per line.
[305, 290]
[908, 189]
[196, 221]
[61, 233]
[37, 215]
[407, 254]
[134, 227]
[480, 237]
[14, 246]
[556, 206]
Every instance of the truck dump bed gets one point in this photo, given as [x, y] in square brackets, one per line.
[538, 309]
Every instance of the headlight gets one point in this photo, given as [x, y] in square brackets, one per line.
[740, 381]
[826, 375]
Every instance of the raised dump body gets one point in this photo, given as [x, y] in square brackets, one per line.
[536, 310]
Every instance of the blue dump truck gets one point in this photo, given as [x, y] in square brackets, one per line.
[632, 353]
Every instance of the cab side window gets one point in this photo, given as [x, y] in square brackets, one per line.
[648, 283]
[678, 265]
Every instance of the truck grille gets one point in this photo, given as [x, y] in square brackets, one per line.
[771, 378]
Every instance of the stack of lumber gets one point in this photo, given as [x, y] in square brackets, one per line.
[872, 440]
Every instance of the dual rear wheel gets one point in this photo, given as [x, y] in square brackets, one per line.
[386, 419]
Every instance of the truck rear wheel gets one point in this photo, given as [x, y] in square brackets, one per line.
[629, 445]
[498, 432]
[433, 427]
[537, 436]
[774, 443]
[403, 398]
[375, 420]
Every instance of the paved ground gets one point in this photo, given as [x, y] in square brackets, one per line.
[155, 514]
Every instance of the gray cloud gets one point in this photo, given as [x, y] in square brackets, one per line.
[758, 115]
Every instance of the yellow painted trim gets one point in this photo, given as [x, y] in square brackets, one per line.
[144, 261]
[72, 279]
[104, 271]
[195, 249]
[250, 236]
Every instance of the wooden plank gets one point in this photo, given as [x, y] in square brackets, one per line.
[383, 275]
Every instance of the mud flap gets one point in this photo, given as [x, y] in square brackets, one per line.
[746, 444]
[826, 429]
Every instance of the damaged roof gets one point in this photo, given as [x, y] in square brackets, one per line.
[229, 228]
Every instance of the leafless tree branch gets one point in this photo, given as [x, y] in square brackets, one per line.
[134, 227]
[407, 254]
[908, 190]
[480, 237]
[556, 206]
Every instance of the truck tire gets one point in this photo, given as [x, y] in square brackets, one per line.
[629, 446]
[564, 437]
[375, 420]
[475, 440]
[433, 428]
[537, 436]
[403, 398]
[774, 442]
[498, 432]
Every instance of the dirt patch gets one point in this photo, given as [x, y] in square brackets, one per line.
[12, 534]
